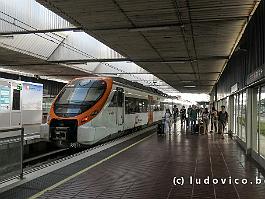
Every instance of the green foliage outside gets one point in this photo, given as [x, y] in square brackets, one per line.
[262, 128]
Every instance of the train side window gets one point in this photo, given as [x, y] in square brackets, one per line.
[130, 105]
[16, 100]
[113, 102]
[135, 105]
[162, 106]
[117, 99]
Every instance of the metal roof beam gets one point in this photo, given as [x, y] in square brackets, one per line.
[172, 26]
[179, 60]
[121, 73]
[39, 31]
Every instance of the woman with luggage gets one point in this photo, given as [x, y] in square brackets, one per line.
[205, 119]
[167, 119]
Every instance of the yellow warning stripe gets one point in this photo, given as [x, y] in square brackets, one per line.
[86, 169]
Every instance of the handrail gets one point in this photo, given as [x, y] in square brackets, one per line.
[11, 129]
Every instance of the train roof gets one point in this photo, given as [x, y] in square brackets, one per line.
[139, 86]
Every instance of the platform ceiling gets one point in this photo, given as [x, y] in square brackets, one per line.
[14, 60]
[184, 42]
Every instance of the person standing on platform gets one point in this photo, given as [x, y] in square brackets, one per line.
[167, 119]
[175, 113]
[205, 119]
[183, 115]
[222, 120]
[214, 120]
[193, 118]
[188, 118]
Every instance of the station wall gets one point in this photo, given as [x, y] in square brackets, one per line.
[241, 88]
[247, 58]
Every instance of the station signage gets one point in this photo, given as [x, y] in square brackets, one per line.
[19, 87]
[256, 75]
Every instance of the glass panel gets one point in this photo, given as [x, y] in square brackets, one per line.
[79, 96]
[16, 100]
[262, 122]
[244, 116]
[239, 103]
[256, 147]
[235, 114]
[240, 116]
[10, 156]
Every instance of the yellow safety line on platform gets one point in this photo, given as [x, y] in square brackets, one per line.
[86, 169]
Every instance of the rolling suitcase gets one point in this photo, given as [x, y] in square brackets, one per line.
[161, 128]
[196, 128]
[201, 128]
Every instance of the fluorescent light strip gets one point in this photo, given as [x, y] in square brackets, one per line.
[189, 86]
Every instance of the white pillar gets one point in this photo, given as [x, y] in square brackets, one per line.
[251, 112]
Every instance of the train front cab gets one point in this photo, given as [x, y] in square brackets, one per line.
[77, 104]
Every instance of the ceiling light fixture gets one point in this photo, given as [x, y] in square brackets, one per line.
[189, 86]
[186, 81]
[173, 62]
[149, 29]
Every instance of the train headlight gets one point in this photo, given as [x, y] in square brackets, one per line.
[84, 120]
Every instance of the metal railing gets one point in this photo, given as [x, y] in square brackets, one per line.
[12, 141]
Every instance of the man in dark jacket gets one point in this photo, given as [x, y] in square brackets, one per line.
[222, 120]
[193, 118]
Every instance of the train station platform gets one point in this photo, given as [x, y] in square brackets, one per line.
[153, 166]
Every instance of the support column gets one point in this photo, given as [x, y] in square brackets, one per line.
[249, 128]
[254, 114]
[231, 115]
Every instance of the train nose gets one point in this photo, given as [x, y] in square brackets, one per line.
[64, 130]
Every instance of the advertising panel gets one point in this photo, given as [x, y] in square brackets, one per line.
[32, 96]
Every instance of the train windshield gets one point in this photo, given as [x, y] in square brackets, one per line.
[79, 96]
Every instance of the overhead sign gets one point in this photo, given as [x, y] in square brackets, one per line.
[256, 75]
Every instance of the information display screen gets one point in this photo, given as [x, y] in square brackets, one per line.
[4, 98]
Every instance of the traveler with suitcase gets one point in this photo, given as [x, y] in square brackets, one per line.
[193, 118]
[167, 119]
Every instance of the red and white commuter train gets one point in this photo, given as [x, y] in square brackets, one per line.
[94, 109]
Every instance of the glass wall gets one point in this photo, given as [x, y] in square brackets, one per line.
[262, 122]
[235, 114]
[239, 129]
[240, 112]
[256, 147]
[244, 116]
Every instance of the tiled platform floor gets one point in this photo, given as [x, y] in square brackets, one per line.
[147, 170]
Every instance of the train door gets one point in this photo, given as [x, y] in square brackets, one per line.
[150, 110]
[120, 108]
